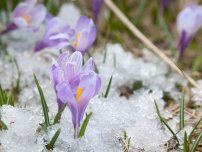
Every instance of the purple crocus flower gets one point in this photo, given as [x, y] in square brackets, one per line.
[80, 39]
[85, 34]
[27, 14]
[74, 84]
[189, 21]
[164, 4]
[96, 7]
[56, 35]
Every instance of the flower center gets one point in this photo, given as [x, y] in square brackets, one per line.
[27, 18]
[75, 44]
[78, 93]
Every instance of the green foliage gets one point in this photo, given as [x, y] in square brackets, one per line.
[162, 120]
[5, 98]
[3, 125]
[185, 146]
[51, 144]
[182, 111]
[44, 104]
[58, 115]
[137, 85]
[108, 87]
[84, 125]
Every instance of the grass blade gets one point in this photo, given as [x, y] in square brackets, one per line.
[182, 111]
[108, 87]
[2, 96]
[57, 116]
[3, 125]
[195, 144]
[43, 102]
[84, 125]
[195, 126]
[51, 144]
[165, 123]
[185, 146]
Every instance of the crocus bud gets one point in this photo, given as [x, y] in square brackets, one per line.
[189, 21]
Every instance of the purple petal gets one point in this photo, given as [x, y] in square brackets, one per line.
[69, 71]
[40, 45]
[37, 15]
[83, 23]
[56, 75]
[76, 58]
[10, 27]
[20, 22]
[65, 94]
[89, 65]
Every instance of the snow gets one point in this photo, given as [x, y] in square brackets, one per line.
[111, 115]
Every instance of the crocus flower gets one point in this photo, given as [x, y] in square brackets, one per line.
[164, 4]
[27, 14]
[74, 84]
[83, 37]
[56, 35]
[85, 34]
[189, 21]
[96, 7]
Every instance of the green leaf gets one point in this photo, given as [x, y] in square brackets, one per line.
[108, 87]
[164, 122]
[84, 125]
[51, 144]
[2, 97]
[137, 85]
[3, 125]
[195, 126]
[195, 144]
[43, 102]
[182, 111]
[57, 116]
[185, 146]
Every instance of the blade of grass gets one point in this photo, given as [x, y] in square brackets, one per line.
[182, 111]
[168, 36]
[43, 102]
[3, 125]
[84, 125]
[164, 122]
[195, 144]
[108, 87]
[2, 96]
[58, 115]
[185, 146]
[139, 13]
[51, 144]
[195, 126]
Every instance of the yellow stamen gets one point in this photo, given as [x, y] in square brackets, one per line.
[78, 94]
[27, 18]
[75, 44]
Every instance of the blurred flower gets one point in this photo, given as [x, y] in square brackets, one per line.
[27, 14]
[80, 39]
[96, 7]
[74, 84]
[189, 21]
[56, 35]
[85, 34]
[164, 4]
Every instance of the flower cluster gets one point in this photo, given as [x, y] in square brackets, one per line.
[189, 21]
[74, 84]
[30, 15]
